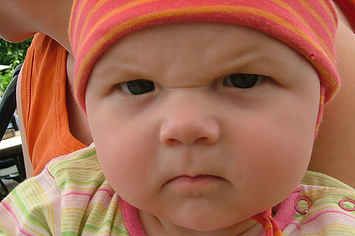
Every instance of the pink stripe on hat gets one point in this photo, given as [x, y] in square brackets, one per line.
[306, 26]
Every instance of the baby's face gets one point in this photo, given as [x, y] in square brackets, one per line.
[202, 125]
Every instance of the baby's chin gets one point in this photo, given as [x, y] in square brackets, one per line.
[212, 221]
[211, 225]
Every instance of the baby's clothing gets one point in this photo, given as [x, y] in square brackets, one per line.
[72, 197]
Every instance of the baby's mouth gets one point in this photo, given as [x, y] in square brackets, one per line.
[194, 185]
[195, 178]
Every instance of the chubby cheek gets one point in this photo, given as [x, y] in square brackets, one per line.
[273, 154]
[124, 149]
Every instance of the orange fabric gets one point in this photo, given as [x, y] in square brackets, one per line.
[43, 96]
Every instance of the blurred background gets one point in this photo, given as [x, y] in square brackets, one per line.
[11, 55]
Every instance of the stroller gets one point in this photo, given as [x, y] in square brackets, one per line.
[15, 157]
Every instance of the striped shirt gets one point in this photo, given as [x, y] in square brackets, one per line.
[71, 197]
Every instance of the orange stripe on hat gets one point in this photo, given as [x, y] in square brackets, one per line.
[307, 26]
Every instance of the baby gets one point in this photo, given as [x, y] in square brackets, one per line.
[203, 115]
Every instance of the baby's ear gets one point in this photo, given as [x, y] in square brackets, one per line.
[346, 13]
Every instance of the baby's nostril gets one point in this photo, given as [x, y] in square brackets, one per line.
[202, 140]
[172, 142]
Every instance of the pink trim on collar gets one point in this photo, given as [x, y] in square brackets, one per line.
[286, 210]
[131, 219]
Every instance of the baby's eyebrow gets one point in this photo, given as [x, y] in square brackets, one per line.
[113, 72]
[253, 59]
[274, 65]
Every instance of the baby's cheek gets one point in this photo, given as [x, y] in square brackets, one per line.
[271, 156]
[126, 163]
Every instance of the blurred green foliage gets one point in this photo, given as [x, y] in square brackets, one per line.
[11, 54]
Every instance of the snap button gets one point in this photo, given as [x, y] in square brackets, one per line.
[303, 204]
[347, 204]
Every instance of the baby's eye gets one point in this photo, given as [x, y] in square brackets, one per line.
[137, 87]
[243, 81]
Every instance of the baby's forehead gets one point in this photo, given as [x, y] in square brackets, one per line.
[198, 50]
[196, 42]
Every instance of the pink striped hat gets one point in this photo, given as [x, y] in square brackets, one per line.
[307, 26]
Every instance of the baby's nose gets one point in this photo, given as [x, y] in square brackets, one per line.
[189, 130]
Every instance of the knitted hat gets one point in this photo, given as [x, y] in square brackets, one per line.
[308, 27]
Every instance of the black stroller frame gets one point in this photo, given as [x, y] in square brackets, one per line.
[7, 110]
